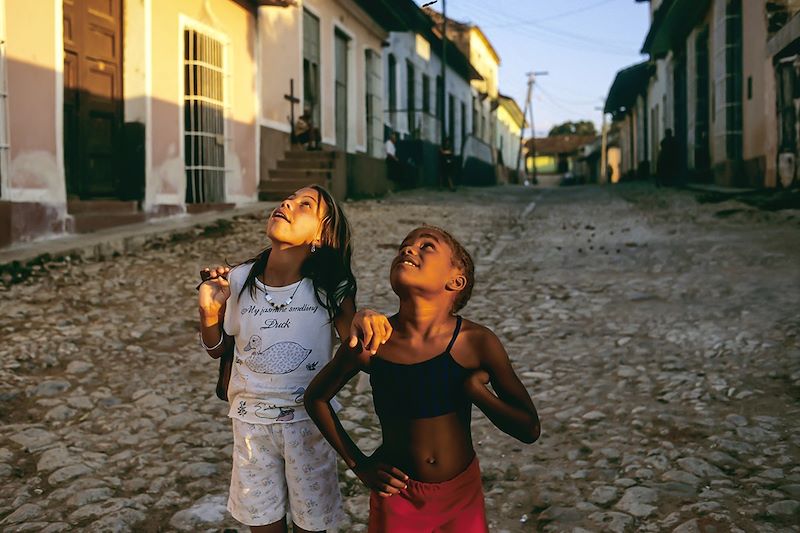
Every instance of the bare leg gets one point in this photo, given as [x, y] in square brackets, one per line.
[298, 529]
[275, 527]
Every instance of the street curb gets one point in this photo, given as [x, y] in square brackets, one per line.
[718, 189]
[119, 240]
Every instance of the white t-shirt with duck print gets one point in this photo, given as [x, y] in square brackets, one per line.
[277, 351]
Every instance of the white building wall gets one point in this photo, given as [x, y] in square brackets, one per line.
[403, 46]
[657, 110]
[691, 95]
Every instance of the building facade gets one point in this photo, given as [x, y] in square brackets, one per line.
[510, 123]
[627, 103]
[118, 112]
[480, 150]
[328, 55]
[715, 82]
[413, 106]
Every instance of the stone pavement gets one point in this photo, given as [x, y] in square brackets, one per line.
[658, 337]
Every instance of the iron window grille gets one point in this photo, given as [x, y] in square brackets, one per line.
[204, 113]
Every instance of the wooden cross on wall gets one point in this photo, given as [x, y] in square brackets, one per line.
[292, 101]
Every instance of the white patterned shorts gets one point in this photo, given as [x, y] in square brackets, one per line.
[280, 468]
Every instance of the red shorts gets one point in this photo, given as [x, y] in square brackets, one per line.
[451, 506]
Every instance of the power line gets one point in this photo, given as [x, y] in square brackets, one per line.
[553, 17]
[558, 38]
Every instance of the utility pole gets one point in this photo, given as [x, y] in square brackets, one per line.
[529, 109]
[524, 118]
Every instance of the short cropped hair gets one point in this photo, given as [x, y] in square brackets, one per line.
[461, 260]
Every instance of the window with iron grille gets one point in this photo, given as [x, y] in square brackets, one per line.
[204, 117]
[4, 145]
[733, 78]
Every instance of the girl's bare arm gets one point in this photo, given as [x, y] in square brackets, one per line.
[383, 479]
[345, 364]
[512, 409]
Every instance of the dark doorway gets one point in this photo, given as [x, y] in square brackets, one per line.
[92, 97]
[680, 114]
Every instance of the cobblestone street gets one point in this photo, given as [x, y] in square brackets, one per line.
[657, 335]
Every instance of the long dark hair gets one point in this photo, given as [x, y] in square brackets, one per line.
[328, 267]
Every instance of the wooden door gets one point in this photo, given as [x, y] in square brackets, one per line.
[92, 97]
[340, 57]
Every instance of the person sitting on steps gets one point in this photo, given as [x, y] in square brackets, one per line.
[305, 132]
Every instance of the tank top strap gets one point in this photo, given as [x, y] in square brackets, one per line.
[455, 334]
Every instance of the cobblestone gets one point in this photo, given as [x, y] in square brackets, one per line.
[659, 342]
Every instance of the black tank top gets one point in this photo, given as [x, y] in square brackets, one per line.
[430, 388]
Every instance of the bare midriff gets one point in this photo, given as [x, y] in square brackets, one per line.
[430, 450]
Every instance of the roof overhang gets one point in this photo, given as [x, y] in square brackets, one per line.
[482, 36]
[672, 22]
[628, 85]
[253, 5]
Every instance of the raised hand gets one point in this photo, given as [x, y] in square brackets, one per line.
[214, 291]
[371, 328]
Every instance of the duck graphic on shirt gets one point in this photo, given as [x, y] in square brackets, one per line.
[273, 412]
[279, 358]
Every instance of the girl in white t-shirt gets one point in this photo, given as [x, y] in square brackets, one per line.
[278, 314]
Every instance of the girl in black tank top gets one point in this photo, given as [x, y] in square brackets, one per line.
[425, 378]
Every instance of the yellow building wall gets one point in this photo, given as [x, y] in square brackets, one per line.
[34, 63]
[505, 117]
[544, 163]
[484, 62]
[227, 21]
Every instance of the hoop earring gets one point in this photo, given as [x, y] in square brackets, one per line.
[313, 248]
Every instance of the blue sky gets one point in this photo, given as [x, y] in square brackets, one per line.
[580, 43]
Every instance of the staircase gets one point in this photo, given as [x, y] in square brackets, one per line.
[299, 168]
[93, 215]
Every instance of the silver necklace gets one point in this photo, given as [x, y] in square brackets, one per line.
[271, 301]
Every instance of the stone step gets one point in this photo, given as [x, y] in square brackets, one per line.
[89, 222]
[311, 154]
[291, 164]
[278, 189]
[101, 206]
[203, 208]
[301, 174]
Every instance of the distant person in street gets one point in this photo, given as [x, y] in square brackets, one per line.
[277, 314]
[425, 475]
[305, 132]
[446, 159]
[665, 164]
